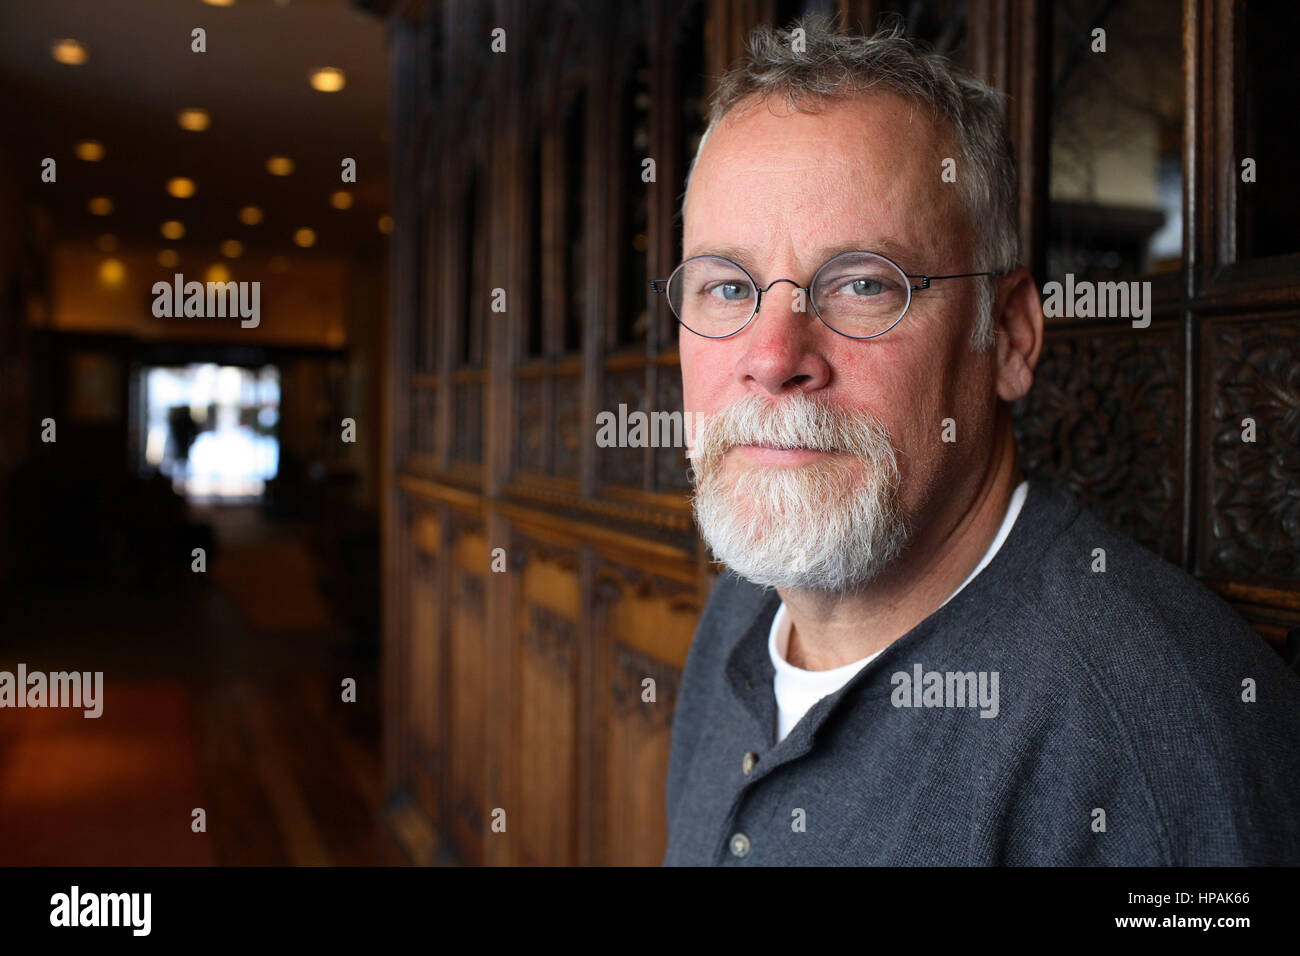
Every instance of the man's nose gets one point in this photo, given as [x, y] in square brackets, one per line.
[783, 349]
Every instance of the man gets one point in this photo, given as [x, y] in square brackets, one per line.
[916, 656]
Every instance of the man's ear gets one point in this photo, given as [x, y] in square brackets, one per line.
[1019, 323]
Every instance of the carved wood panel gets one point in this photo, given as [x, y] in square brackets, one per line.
[648, 621]
[1253, 434]
[547, 746]
[1104, 420]
[469, 672]
[624, 466]
[1112, 416]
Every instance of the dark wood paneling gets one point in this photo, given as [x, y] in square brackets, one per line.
[522, 690]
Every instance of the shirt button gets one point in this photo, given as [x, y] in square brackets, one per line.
[747, 764]
[739, 844]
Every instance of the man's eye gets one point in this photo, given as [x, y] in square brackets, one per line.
[864, 286]
[731, 291]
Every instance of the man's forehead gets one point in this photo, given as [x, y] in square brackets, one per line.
[752, 257]
[766, 178]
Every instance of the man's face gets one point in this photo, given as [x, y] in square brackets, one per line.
[779, 192]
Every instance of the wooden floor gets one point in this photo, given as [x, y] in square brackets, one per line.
[223, 693]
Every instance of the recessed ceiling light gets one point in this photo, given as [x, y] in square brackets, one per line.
[279, 165]
[71, 52]
[232, 248]
[305, 237]
[167, 258]
[341, 199]
[328, 79]
[194, 119]
[100, 205]
[182, 187]
[112, 273]
[89, 150]
[250, 215]
[172, 229]
[385, 224]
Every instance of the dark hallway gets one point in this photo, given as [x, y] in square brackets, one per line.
[190, 499]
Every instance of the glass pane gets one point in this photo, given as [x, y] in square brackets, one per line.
[469, 254]
[575, 184]
[689, 65]
[423, 333]
[1265, 129]
[1116, 113]
[536, 187]
[634, 115]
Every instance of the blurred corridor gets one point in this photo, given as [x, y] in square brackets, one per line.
[189, 499]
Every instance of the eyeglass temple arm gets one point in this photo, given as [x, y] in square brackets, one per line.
[926, 280]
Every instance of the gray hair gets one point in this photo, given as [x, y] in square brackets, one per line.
[834, 66]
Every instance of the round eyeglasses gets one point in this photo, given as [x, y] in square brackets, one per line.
[857, 294]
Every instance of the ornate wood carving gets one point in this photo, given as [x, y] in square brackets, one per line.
[470, 593]
[1254, 487]
[467, 439]
[616, 580]
[550, 635]
[624, 466]
[670, 463]
[463, 523]
[566, 432]
[1103, 420]
[630, 669]
[527, 548]
[530, 437]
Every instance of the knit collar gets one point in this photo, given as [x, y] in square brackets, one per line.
[940, 638]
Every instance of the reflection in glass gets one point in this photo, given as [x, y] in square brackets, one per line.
[1116, 138]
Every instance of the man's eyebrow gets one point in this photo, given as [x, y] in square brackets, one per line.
[895, 250]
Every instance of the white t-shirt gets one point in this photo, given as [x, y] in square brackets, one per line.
[797, 690]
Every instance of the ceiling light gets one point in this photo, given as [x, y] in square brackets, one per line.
[71, 52]
[385, 224]
[220, 3]
[341, 199]
[305, 237]
[328, 79]
[217, 273]
[172, 229]
[112, 273]
[194, 119]
[279, 165]
[100, 205]
[232, 248]
[250, 215]
[167, 258]
[181, 187]
[89, 150]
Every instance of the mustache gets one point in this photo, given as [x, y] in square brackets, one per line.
[798, 422]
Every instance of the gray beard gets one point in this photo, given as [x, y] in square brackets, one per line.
[824, 526]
